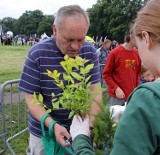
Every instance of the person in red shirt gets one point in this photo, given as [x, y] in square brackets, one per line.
[122, 71]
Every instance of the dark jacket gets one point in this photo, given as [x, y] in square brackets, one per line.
[138, 132]
[103, 55]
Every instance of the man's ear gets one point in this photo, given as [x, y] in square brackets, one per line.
[147, 38]
[54, 30]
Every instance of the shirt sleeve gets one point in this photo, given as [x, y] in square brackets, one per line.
[82, 145]
[30, 78]
[107, 72]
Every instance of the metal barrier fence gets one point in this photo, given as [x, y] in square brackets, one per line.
[13, 115]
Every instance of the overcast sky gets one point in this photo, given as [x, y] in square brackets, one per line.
[15, 8]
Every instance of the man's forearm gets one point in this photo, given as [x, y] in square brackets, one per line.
[37, 110]
[95, 108]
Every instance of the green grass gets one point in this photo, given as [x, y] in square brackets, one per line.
[12, 59]
[20, 143]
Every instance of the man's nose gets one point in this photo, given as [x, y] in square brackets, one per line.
[75, 45]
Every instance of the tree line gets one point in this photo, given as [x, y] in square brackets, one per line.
[109, 18]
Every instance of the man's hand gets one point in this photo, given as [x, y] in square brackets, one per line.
[119, 93]
[79, 127]
[61, 132]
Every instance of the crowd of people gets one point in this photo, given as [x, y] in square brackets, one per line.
[19, 40]
[128, 70]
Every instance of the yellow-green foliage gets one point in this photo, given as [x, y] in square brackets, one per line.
[75, 96]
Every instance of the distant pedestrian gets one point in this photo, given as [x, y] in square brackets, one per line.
[146, 75]
[103, 52]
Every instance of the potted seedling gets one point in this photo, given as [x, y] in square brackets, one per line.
[75, 95]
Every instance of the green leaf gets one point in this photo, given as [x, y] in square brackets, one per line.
[35, 100]
[48, 111]
[40, 98]
[71, 114]
[66, 77]
[89, 84]
[63, 64]
[66, 57]
[88, 68]
[54, 99]
[86, 61]
[56, 105]
[77, 76]
[55, 75]
[52, 94]
[61, 84]
[35, 96]
[69, 69]
[87, 79]
[72, 86]
[80, 63]
[82, 71]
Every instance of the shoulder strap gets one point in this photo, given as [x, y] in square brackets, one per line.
[42, 123]
[51, 131]
[50, 126]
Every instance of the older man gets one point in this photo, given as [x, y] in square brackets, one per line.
[69, 29]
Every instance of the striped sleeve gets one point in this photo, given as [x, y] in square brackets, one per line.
[30, 78]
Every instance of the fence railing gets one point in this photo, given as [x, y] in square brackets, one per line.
[13, 114]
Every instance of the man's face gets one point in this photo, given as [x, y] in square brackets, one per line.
[107, 45]
[148, 76]
[71, 35]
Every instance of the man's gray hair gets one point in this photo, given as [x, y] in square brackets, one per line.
[70, 11]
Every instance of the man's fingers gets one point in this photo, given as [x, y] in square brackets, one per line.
[63, 142]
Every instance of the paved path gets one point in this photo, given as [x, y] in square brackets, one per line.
[14, 97]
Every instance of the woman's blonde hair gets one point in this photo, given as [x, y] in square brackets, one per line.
[148, 19]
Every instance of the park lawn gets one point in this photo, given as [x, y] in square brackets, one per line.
[11, 61]
[20, 143]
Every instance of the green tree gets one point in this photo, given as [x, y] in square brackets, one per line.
[112, 18]
[8, 24]
[46, 25]
[28, 23]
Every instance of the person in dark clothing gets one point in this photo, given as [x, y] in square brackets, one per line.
[103, 54]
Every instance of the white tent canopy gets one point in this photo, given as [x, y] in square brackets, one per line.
[10, 34]
[44, 36]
